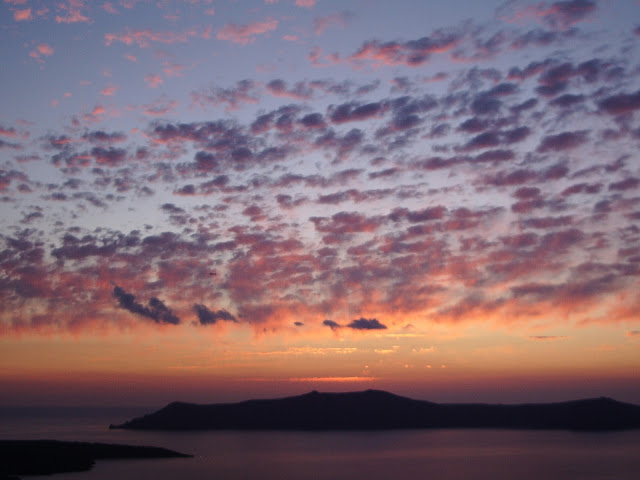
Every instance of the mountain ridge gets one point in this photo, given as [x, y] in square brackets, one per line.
[381, 410]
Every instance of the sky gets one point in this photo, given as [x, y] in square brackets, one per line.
[214, 200]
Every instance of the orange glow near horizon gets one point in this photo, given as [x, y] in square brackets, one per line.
[285, 196]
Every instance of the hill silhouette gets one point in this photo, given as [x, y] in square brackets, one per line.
[375, 410]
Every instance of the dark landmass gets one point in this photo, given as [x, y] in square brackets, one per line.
[378, 410]
[45, 457]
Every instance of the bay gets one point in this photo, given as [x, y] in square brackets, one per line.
[405, 454]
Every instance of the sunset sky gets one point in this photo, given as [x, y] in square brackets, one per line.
[211, 200]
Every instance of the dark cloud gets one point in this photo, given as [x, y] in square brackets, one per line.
[486, 105]
[341, 144]
[99, 136]
[547, 222]
[110, 156]
[537, 37]
[346, 222]
[233, 98]
[313, 121]
[620, 104]
[516, 134]
[366, 324]
[209, 317]
[300, 91]
[206, 162]
[331, 324]
[287, 201]
[585, 188]
[351, 112]
[531, 70]
[171, 208]
[474, 125]
[563, 15]
[562, 141]
[626, 184]
[567, 100]
[484, 140]
[418, 216]
[157, 310]
[511, 177]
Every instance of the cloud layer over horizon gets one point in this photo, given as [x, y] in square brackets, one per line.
[483, 171]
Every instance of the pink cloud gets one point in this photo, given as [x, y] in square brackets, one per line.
[144, 38]
[411, 53]
[109, 8]
[73, 12]
[131, 58]
[95, 114]
[306, 3]
[8, 132]
[153, 81]
[109, 91]
[42, 49]
[244, 34]
[22, 15]
[172, 69]
[45, 49]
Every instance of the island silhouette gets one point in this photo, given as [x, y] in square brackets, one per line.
[380, 410]
[46, 457]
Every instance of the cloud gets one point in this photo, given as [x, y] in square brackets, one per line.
[620, 104]
[245, 34]
[153, 80]
[563, 15]
[546, 338]
[72, 12]
[278, 88]
[42, 49]
[562, 141]
[110, 156]
[144, 38]
[102, 137]
[339, 20]
[306, 3]
[558, 15]
[331, 324]
[22, 15]
[156, 311]
[352, 111]
[412, 53]
[366, 324]
[244, 92]
[346, 222]
[209, 317]
[626, 184]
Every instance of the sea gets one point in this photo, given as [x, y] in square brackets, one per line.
[441, 454]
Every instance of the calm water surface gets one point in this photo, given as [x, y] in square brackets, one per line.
[404, 455]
